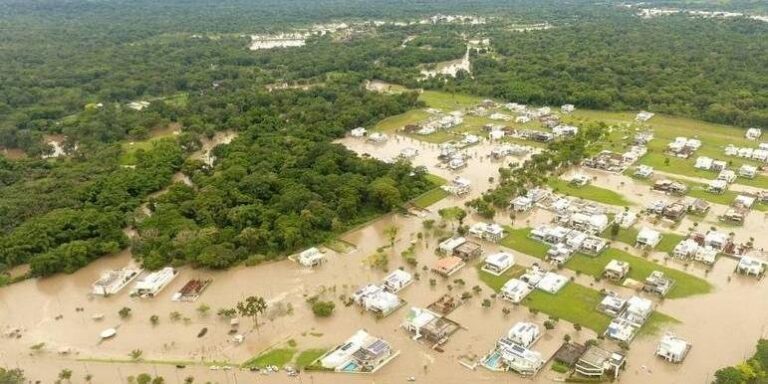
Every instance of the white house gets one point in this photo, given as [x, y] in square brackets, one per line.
[112, 282]
[524, 334]
[151, 284]
[567, 108]
[621, 330]
[522, 119]
[612, 305]
[417, 319]
[589, 223]
[644, 116]
[450, 244]
[626, 219]
[397, 280]
[519, 359]
[703, 162]
[727, 175]
[490, 232]
[498, 263]
[715, 239]
[672, 348]
[616, 270]
[638, 310]
[717, 186]
[515, 290]
[750, 266]
[644, 171]
[706, 254]
[522, 204]
[648, 238]
[686, 249]
[552, 282]
[376, 299]
[744, 201]
[358, 132]
[748, 171]
[409, 153]
[311, 257]
[360, 353]
[565, 130]
[378, 137]
[753, 133]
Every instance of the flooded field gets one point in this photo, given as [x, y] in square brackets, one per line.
[59, 311]
[449, 68]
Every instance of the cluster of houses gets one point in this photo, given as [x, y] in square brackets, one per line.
[452, 157]
[513, 352]
[505, 150]
[565, 241]
[670, 187]
[616, 162]
[628, 316]
[758, 154]
[683, 147]
[696, 249]
[112, 282]
[532, 197]
[436, 122]
[675, 210]
[360, 353]
[515, 290]
[592, 361]
[381, 299]
[457, 252]
[751, 266]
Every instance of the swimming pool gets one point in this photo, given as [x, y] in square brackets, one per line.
[351, 367]
[492, 361]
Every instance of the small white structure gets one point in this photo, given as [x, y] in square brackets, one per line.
[648, 238]
[672, 348]
[490, 232]
[744, 201]
[704, 163]
[360, 353]
[358, 132]
[715, 239]
[522, 119]
[417, 319]
[138, 105]
[612, 305]
[150, 285]
[592, 224]
[727, 175]
[706, 255]
[376, 299]
[498, 263]
[450, 244]
[108, 333]
[717, 186]
[565, 130]
[644, 171]
[750, 266]
[459, 186]
[686, 249]
[638, 310]
[567, 108]
[112, 282]
[378, 137]
[552, 282]
[409, 153]
[522, 204]
[524, 334]
[397, 280]
[311, 257]
[753, 133]
[515, 290]
[616, 270]
[748, 171]
[644, 116]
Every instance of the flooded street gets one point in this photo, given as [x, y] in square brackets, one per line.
[48, 312]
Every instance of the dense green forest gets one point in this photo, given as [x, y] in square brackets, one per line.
[752, 371]
[70, 68]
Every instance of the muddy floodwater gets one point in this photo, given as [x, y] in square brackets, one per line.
[59, 312]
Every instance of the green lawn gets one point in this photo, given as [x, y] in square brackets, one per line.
[629, 236]
[517, 239]
[278, 357]
[686, 285]
[308, 356]
[574, 303]
[393, 123]
[128, 157]
[656, 323]
[669, 241]
[430, 197]
[589, 192]
[496, 282]
[448, 101]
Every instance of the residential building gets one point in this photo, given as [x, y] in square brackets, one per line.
[658, 283]
[598, 362]
[449, 245]
[468, 250]
[616, 270]
[447, 266]
[727, 175]
[567, 108]
[524, 334]
[515, 290]
[498, 263]
[377, 299]
[112, 282]
[360, 353]
[358, 132]
[672, 348]
[686, 249]
[748, 171]
[717, 240]
[552, 282]
[753, 133]
[397, 280]
[704, 163]
[644, 171]
[648, 238]
[750, 266]
[644, 116]
[490, 232]
[311, 257]
[378, 137]
[612, 305]
[717, 186]
[151, 284]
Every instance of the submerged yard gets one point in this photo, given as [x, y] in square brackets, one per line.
[589, 192]
[574, 303]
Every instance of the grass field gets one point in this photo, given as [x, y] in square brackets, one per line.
[574, 303]
[517, 239]
[496, 282]
[278, 357]
[589, 192]
[305, 358]
[432, 196]
[656, 324]
[393, 123]
[685, 284]
[629, 236]
[448, 101]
